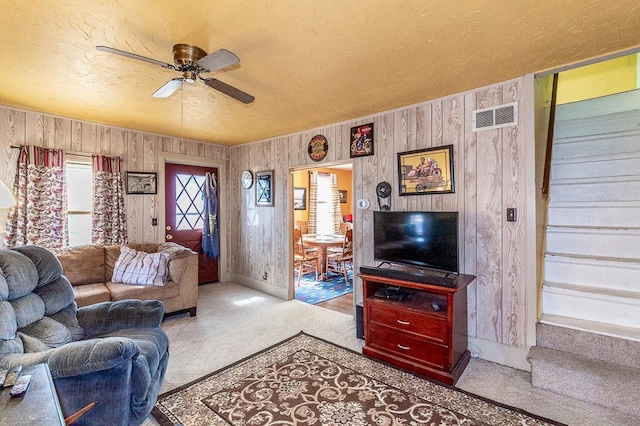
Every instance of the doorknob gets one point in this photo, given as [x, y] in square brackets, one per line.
[169, 237]
[168, 228]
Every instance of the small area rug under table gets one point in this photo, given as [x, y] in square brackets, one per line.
[313, 292]
[308, 381]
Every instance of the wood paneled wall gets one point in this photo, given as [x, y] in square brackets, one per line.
[139, 151]
[489, 168]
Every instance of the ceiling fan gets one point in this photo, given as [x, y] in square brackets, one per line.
[192, 61]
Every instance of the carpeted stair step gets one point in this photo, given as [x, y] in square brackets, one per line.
[593, 345]
[600, 382]
[599, 369]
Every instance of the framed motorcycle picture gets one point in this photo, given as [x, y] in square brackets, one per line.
[426, 171]
[361, 141]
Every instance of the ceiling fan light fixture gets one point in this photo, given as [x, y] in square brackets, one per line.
[187, 55]
[191, 61]
[190, 76]
[169, 88]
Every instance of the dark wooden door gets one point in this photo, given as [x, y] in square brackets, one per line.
[184, 213]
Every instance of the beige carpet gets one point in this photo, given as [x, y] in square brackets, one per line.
[306, 381]
[235, 322]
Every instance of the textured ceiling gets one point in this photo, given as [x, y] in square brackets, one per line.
[309, 63]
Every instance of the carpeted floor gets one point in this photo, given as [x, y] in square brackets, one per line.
[306, 380]
[313, 292]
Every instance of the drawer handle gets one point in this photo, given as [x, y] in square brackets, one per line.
[406, 348]
[404, 322]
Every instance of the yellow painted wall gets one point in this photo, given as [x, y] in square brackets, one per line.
[600, 79]
[301, 180]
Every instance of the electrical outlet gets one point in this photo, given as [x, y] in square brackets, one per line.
[264, 277]
[512, 215]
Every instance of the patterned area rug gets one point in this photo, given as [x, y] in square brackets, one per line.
[308, 381]
[312, 291]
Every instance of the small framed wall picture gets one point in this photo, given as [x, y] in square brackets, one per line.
[264, 188]
[142, 183]
[299, 198]
[361, 141]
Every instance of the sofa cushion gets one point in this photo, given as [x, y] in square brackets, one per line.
[140, 268]
[89, 294]
[127, 291]
[49, 331]
[19, 272]
[83, 264]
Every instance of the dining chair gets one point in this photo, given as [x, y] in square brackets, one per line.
[344, 226]
[339, 262]
[303, 260]
[302, 225]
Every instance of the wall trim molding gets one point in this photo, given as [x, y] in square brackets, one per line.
[262, 286]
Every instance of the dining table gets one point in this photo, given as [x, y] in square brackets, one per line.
[322, 243]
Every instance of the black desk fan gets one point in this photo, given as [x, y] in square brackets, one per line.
[383, 191]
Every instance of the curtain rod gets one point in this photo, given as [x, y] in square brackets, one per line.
[79, 154]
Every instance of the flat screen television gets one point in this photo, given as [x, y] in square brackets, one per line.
[425, 240]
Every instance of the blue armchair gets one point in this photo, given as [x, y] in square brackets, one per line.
[113, 353]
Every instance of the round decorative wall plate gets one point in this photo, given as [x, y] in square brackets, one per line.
[318, 147]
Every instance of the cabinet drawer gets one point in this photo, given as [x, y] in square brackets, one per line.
[409, 347]
[404, 320]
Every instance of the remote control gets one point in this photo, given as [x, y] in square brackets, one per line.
[3, 375]
[12, 376]
[21, 386]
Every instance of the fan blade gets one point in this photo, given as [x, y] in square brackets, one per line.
[134, 56]
[237, 94]
[219, 59]
[169, 88]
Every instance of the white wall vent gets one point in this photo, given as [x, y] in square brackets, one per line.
[495, 117]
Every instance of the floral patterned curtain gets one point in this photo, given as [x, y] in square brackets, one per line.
[313, 201]
[109, 223]
[38, 217]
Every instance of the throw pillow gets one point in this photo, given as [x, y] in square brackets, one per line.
[138, 267]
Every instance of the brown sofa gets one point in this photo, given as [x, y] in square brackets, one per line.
[90, 268]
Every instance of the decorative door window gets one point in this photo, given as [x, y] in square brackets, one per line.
[189, 202]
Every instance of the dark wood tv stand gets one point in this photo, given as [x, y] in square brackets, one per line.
[425, 333]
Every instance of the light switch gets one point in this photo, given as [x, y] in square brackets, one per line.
[512, 215]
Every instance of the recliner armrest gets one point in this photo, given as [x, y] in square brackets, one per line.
[107, 317]
[87, 356]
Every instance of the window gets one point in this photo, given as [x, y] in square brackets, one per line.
[324, 204]
[79, 199]
[189, 201]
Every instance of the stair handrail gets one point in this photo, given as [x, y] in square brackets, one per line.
[552, 121]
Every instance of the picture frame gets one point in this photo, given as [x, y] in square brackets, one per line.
[426, 171]
[142, 183]
[264, 188]
[361, 141]
[343, 196]
[299, 198]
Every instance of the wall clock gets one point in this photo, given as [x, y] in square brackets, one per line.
[246, 179]
[318, 147]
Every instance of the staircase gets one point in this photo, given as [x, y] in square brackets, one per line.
[592, 262]
[588, 339]
[591, 367]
